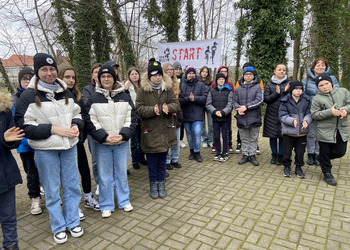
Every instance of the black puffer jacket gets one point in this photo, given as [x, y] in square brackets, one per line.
[272, 124]
[252, 97]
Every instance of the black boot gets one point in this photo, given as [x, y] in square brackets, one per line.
[244, 159]
[279, 160]
[253, 160]
[316, 162]
[310, 159]
[198, 157]
[191, 156]
[161, 189]
[328, 177]
[154, 190]
[273, 159]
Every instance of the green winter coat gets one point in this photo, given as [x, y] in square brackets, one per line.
[158, 132]
[327, 124]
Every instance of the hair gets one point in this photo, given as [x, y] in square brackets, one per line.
[208, 79]
[280, 64]
[317, 60]
[139, 81]
[176, 87]
[37, 99]
[62, 68]
[95, 66]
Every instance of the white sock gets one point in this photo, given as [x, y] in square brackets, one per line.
[87, 195]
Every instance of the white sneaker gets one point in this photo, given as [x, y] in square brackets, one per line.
[76, 232]
[106, 213]
[35, 207]
[205, 145]
[60, 237]
[92, 203]
[97, 192]
[81, 215]
[128, 208]
[182, 144]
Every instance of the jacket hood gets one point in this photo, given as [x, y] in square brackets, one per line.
[289, 96]
[224, 87]
[110, 93]
[224, 67]
[41, 88]
[167, 83]
[311, 74]
[5, 102]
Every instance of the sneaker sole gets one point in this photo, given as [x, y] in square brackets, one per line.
[58, 241]
[288, 176]
[96, 209]
[36, 212]
[77, 235]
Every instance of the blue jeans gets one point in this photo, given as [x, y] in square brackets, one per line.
[8, 217]
[92, 144]
[156, 166]
[136, 153]
[174, 153]
[208, 136]
[53, 166]
[112, 162]
[273, 146]
[193, 132]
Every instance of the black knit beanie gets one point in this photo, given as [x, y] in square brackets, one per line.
[219, 75]
[295, 85]
[105, 68]
[323, 76]
[154, 67]
[25, 71]
[42, 59]
[188, 70]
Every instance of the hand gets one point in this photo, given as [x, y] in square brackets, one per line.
[286, 87]
[156, 109]
[114, 139]
[126, 85]
[335, 111]
[305, 124]
[165, 108]
[62, 131]
[218, 113]
[13, 134]
[241, 110]
[278, 90]
[191, 96]
[295, 122]
[74, 131]
[343, 113]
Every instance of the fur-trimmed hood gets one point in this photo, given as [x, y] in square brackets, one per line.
[167, 83]
[5, 102]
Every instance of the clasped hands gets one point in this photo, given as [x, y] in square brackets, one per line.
[164, 108]
[339, 112]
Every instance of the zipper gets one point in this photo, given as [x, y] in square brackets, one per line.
[336, 127]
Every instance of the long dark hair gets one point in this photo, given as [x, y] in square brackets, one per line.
[206, 80]
[61, 70]
[138, 82]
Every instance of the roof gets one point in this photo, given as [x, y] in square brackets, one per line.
[18, 61]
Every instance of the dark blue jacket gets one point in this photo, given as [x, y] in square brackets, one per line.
[193, 111]
[250, 95]
[220, 100]
[9, 172]
[289, 110]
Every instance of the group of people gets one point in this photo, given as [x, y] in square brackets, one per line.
[52, 119]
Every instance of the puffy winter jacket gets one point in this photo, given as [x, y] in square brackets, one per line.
[289, 110]
[327, 124]
[252, 97]
[110, 112]
[220, 100]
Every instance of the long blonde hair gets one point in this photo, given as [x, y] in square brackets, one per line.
[176, 87]
[62, 68]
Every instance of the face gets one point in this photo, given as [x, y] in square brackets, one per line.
[178, 71]
[220, 82]
[297, 92]
[156, 79]
[134, 76]
[319, 68]
[170, 71]
[25, 80]
[95, 74]
[248, 77]
[204, 73]
[325, 86]
[107, 81]
[48, 74]
[191, 75]
[224, 71]
[69, 78]
[280, 71]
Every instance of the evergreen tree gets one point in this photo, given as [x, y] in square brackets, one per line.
[190, 22]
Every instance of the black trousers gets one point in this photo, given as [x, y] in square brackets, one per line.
[33, 183]
[84, 170]
[330, 151]
[299, 144]
[221, 127]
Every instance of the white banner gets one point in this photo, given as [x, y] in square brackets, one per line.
[195, 53]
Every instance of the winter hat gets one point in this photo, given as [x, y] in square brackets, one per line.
[41, 60]
[106, 68]
[219, 75]
[189, 69]
[154, 67]
[295, 85]
[249, 69]
[25, 71]
[247, 64]
[323, 76]
[177, 65]
[112, 63]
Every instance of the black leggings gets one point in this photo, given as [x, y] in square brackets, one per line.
[84, 169]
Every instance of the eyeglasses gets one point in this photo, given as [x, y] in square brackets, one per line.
[168, 70]
[106, 76]
[46, 70]
[248, 74]
[25, 79]
[223, 71]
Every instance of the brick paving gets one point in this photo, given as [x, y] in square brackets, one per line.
[213, 205]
